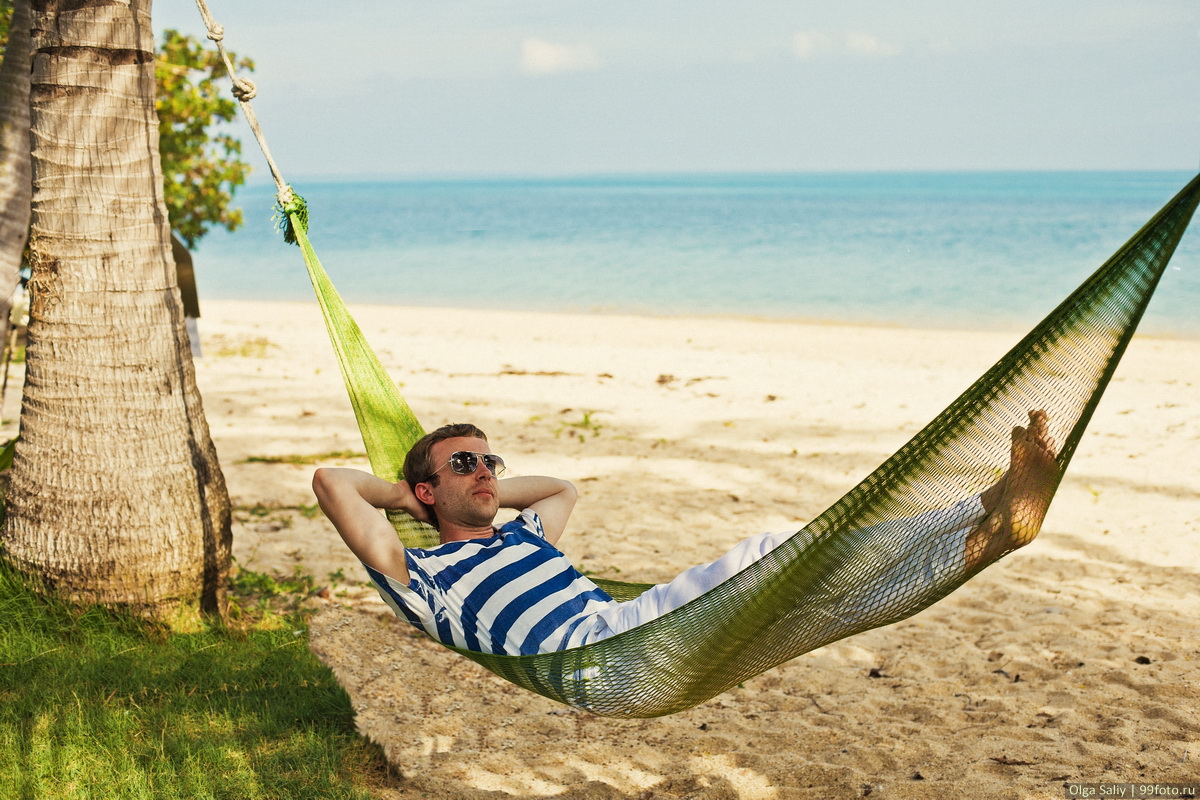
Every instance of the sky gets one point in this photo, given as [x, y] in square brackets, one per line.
[412, 88]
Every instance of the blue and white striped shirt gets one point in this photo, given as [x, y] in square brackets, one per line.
[512, 593]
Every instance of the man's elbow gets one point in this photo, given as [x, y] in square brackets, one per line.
[324, 482]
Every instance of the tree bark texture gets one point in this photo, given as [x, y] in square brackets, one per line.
[116, 495]
[15, 185]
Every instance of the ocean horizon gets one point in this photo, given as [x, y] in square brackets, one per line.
[951, 249]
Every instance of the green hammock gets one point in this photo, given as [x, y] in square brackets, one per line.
[797, 597]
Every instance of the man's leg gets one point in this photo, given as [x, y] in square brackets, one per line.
[889, 542]
[1017, 505]
[909, 556]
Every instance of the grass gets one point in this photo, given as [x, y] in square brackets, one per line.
[581, 428]
[313, 458]
[96, 704]
[280, 516]
[269, 592]
[224, 347]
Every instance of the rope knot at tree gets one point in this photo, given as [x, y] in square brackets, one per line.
[216, 32]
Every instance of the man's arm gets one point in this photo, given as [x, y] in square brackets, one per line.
[551, 498]
[351, 499]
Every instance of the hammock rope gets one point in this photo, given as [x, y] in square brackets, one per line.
[244, 91]
[863, 562]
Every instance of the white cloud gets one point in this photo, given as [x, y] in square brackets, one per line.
[809, 44]
[539, 57]
[865, 44]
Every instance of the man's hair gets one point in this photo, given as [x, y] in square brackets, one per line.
[418, 464]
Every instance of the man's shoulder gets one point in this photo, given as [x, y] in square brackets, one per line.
[527, 522]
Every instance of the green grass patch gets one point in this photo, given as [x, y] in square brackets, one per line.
[227, 347]
[278, 515]
[582, 428]
[313, 458]
[272, 593]
[94, 704]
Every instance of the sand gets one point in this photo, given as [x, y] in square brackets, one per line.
[1073, 660]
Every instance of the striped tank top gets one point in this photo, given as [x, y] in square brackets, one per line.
[512, 593]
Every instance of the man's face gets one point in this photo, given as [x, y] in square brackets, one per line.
[467, 500]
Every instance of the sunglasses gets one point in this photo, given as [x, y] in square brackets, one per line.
[465, 462]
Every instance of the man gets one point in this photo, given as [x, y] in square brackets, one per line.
[508, 590]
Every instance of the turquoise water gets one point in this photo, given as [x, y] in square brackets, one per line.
[952, 249]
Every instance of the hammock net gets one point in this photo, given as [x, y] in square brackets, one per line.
[862, 563]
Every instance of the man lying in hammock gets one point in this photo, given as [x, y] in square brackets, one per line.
[507, 589]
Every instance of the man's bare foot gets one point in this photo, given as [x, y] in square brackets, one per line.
[1017, 504]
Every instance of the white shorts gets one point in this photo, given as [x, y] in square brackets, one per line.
[907, 565]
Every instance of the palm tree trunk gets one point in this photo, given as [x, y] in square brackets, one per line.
[14, 157]
[116, 494]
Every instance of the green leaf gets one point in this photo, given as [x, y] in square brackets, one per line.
[201, 164]
[6, 454]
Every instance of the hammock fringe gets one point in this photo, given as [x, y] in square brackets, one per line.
[291, 217]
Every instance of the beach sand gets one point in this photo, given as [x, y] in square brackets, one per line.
[1073, 660]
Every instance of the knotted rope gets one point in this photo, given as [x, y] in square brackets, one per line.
[290, 205]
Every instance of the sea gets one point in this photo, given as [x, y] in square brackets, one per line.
[949, 250]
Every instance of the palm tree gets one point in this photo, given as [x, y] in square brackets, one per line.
[14, 157]
[116, 493]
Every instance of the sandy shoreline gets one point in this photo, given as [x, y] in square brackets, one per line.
[687, 434]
